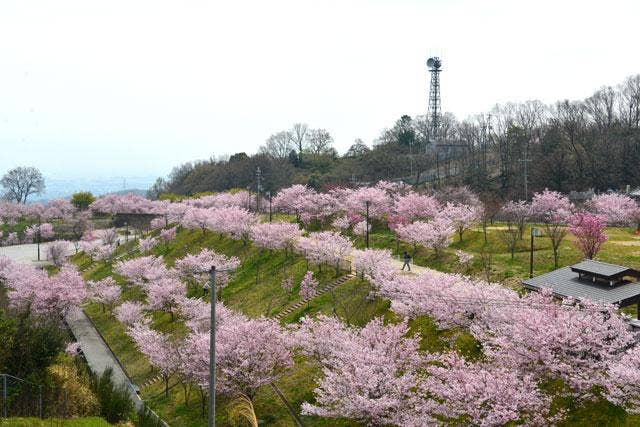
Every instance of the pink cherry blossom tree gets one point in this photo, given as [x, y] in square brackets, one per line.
[105, 292]
[194, 268]
[41, 294]
[435, 234]
[140, 271]
[251, 353]
[461, 216]
[589, 233]
[552, 209]
[517, 213]
[168, 235]
[287, 285]
[368, 374]
[108, 236]
[163, 294]
[308, 286]
[276, 235]
[616, 209]
[158, 348]
[413, 206]
[46, 232]
[146, 245]
[325, 246]
[370, 261]
[130, 313]
[235, 222]
[59, 208]
[57, 252]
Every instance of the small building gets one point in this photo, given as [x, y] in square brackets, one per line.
[597, 281]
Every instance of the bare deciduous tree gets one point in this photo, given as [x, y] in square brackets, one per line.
[319, 141]
[21, 182]
[278, 145]
[298, 135]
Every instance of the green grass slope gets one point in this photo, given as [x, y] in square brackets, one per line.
[256, 291]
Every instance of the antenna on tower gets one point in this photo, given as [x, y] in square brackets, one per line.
[434, 113]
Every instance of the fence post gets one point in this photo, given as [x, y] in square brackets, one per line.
[4, 396]
[40, 401]
[65, 404]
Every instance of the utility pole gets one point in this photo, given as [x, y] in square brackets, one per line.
[212, 351]
[38, 236]
[525, 161]
[212, 345]
[258, 187]
[367, 225]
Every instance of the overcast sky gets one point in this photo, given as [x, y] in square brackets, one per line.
[135, 87]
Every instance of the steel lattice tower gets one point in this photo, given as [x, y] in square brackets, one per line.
[434, 113]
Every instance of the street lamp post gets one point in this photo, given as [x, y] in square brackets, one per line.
[38, 236]
[126, 233]
[270, 215]
[367, 225]
[535, 232]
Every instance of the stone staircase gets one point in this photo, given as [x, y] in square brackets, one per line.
[282, 314]
[320, 292]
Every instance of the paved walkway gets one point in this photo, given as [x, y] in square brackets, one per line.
[415, 269]
[98, 354]
[96, 351]
[28, 253]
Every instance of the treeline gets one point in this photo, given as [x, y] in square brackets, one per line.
[569, 145]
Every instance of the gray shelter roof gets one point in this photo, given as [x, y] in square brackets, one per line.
[566, 283]
[603, 270]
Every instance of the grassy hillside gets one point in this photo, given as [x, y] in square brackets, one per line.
[256, 290]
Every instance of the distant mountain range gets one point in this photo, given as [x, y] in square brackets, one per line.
[57, 188]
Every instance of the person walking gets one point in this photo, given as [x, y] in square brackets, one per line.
[406, 258]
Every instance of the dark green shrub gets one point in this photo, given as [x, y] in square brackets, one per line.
[115, 401]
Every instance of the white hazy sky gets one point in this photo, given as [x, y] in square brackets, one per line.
[135, 87]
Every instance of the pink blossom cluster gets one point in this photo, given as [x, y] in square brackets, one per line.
[305, 203]
[105, 291]
[574, 341]
[249, 352]
[168, 234]
[46, 232]
[276, 235]
[379, 376]
[308, 286]
[324, 246]
[551, 207]
[157, 223]
[43, 295]
[413, 206]
[378, 198]
[142, 270]
[57, 252]
[589, 232]
[10, 212]
[230, 220]
[434, 234]
[616, 209]
[239, 199]
[146, 245]
[130, 313]
[129, 203]
[195, 267]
